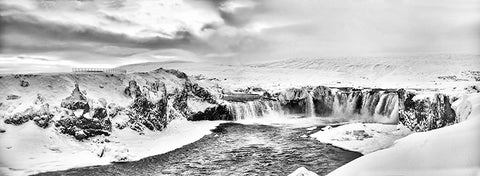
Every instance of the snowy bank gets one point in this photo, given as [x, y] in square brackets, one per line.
[302, 171]
[362, 137]
[29, 149]
[451, 150]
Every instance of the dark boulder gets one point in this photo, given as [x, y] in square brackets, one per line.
[82, 128]
[24, 83]
[99, 113]
[43, 121]
[39, 114]
[219, 112]
[18, 119]
[133, 90]
[13, 97]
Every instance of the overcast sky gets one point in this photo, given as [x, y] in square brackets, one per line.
[54, 35]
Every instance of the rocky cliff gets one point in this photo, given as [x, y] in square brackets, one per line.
[87, 105]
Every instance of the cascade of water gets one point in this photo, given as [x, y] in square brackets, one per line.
[254, 109]
[354, 103]
[370, 101]
[310, 107]
[339, 103]
[388, 107]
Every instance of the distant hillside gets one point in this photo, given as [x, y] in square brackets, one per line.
[149, 66]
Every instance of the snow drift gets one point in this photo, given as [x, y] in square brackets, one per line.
[451, 150]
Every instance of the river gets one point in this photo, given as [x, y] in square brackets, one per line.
[235, 149]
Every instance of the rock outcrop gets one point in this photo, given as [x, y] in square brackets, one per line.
[149, 108]
[24, 83]
[76, 101]
[220, 112]
[83, 120]
[39, 112]
[426, 113]
[200, 92]
[177, 73]
[133, 90]
[293, 100]
[143, 104]
[13, 97]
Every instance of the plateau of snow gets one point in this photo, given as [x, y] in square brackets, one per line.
[451, 150]
[437, 72]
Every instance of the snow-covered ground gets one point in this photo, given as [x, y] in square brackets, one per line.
[452, 150]
[436, 72]
[362, 137]
[29, 149]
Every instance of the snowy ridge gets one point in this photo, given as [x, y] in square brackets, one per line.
[415, 71]
[451, 150]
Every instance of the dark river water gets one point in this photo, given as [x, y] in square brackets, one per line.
[235, 149]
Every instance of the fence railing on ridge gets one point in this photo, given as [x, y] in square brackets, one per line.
[99, 70]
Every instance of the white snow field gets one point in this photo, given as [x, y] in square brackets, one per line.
[452, 150]
[362, 137]
[439, 72]
[28, 149]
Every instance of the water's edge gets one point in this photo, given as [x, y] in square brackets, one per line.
[236, 149]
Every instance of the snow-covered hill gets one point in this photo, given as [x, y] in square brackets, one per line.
[444, 72]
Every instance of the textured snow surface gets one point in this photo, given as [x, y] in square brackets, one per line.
[29, 149]
[415, 71]
[452, 150]
[363, 138]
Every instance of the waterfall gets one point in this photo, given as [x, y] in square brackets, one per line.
[373, 105]
[310, 107]
[367, 104]
[378, 106]
[254, 109]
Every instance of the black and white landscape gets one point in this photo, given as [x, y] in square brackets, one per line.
[239, 87]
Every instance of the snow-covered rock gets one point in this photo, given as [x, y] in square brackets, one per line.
[302, 171]
[426, 113]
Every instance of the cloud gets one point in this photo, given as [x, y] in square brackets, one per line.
[235, 30]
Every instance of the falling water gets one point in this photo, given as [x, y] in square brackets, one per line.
[371, 105]
[381, 106]
[310, 107]
[254, 109]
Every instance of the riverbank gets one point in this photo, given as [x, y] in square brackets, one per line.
[31, 149]
[235, 148]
